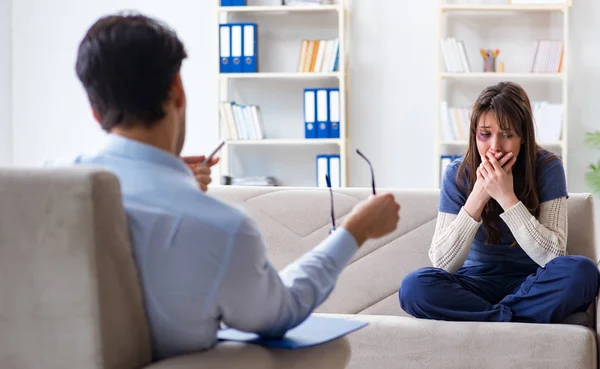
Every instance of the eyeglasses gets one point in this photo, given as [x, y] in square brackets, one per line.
[370, 167]
[328, 181]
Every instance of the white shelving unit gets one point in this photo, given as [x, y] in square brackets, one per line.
[224, 88]
[443, 9]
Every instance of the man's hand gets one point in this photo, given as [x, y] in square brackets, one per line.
[373, 218]
[201, 172]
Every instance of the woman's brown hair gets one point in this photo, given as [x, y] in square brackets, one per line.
[510, 104]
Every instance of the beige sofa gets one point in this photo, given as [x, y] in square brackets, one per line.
[70, 298]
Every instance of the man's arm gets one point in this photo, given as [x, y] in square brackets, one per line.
[254, 297]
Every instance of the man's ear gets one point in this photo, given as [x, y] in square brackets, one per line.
[96, 116]
[177, 91]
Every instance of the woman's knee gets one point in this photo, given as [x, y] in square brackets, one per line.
[417, 287]
[582, 273]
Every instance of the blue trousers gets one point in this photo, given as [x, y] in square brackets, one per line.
[566, 285]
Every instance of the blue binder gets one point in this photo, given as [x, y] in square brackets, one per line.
[310, 113]
[225, 2]
[330, 165]
[322, 170]
[323, 114]
[335, 171]
[225, 48]
[334, 112]
[237, 37]
[250, 52]
[238, 2]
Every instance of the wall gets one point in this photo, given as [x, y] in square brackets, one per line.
[584, 93]
[50, 106]
[5, 82]
[392, 87]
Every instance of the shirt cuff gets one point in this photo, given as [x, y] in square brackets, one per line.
[516, 216]
[465, 221]
[340, 246]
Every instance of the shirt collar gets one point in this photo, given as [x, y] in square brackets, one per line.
[136, 150]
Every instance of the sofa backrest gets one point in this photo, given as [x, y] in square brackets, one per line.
[69, 291]
[294, 220]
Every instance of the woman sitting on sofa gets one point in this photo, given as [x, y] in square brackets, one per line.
[499, 247]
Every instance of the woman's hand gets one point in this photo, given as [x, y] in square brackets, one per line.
[498, 179]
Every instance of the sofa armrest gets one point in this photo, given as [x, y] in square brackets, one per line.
[331, 355]
[69, 289]
[594, 312]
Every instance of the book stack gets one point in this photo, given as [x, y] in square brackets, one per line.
[241, 122]
[455, 56]
[319, 56]
[455, 122]
[547, 56]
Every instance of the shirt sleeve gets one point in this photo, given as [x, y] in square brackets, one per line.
[254, 297]
[552, 183]
[452, 240]
[543, 239]
[452, 197]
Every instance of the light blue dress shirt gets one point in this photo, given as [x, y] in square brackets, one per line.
[202, 261]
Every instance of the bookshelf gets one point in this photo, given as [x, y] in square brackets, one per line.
[302, 148]
[452, 84]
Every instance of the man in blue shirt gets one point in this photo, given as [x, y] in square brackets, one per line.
[202, 262]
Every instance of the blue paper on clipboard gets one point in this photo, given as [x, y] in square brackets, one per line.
[315, 330]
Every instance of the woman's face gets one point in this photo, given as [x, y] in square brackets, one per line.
[490, 138]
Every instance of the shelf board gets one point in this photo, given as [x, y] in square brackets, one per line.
[464, 143]
[454, 143]
[507, 76]
[293, 75]
[504, 7]
[288, 142]
[279, 9]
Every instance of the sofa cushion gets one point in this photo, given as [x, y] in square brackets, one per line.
[331, 355]
[399, 342]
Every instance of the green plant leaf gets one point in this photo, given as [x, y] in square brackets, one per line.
[593, 139]
[593, 180]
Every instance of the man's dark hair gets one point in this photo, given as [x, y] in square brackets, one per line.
[127, 64]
